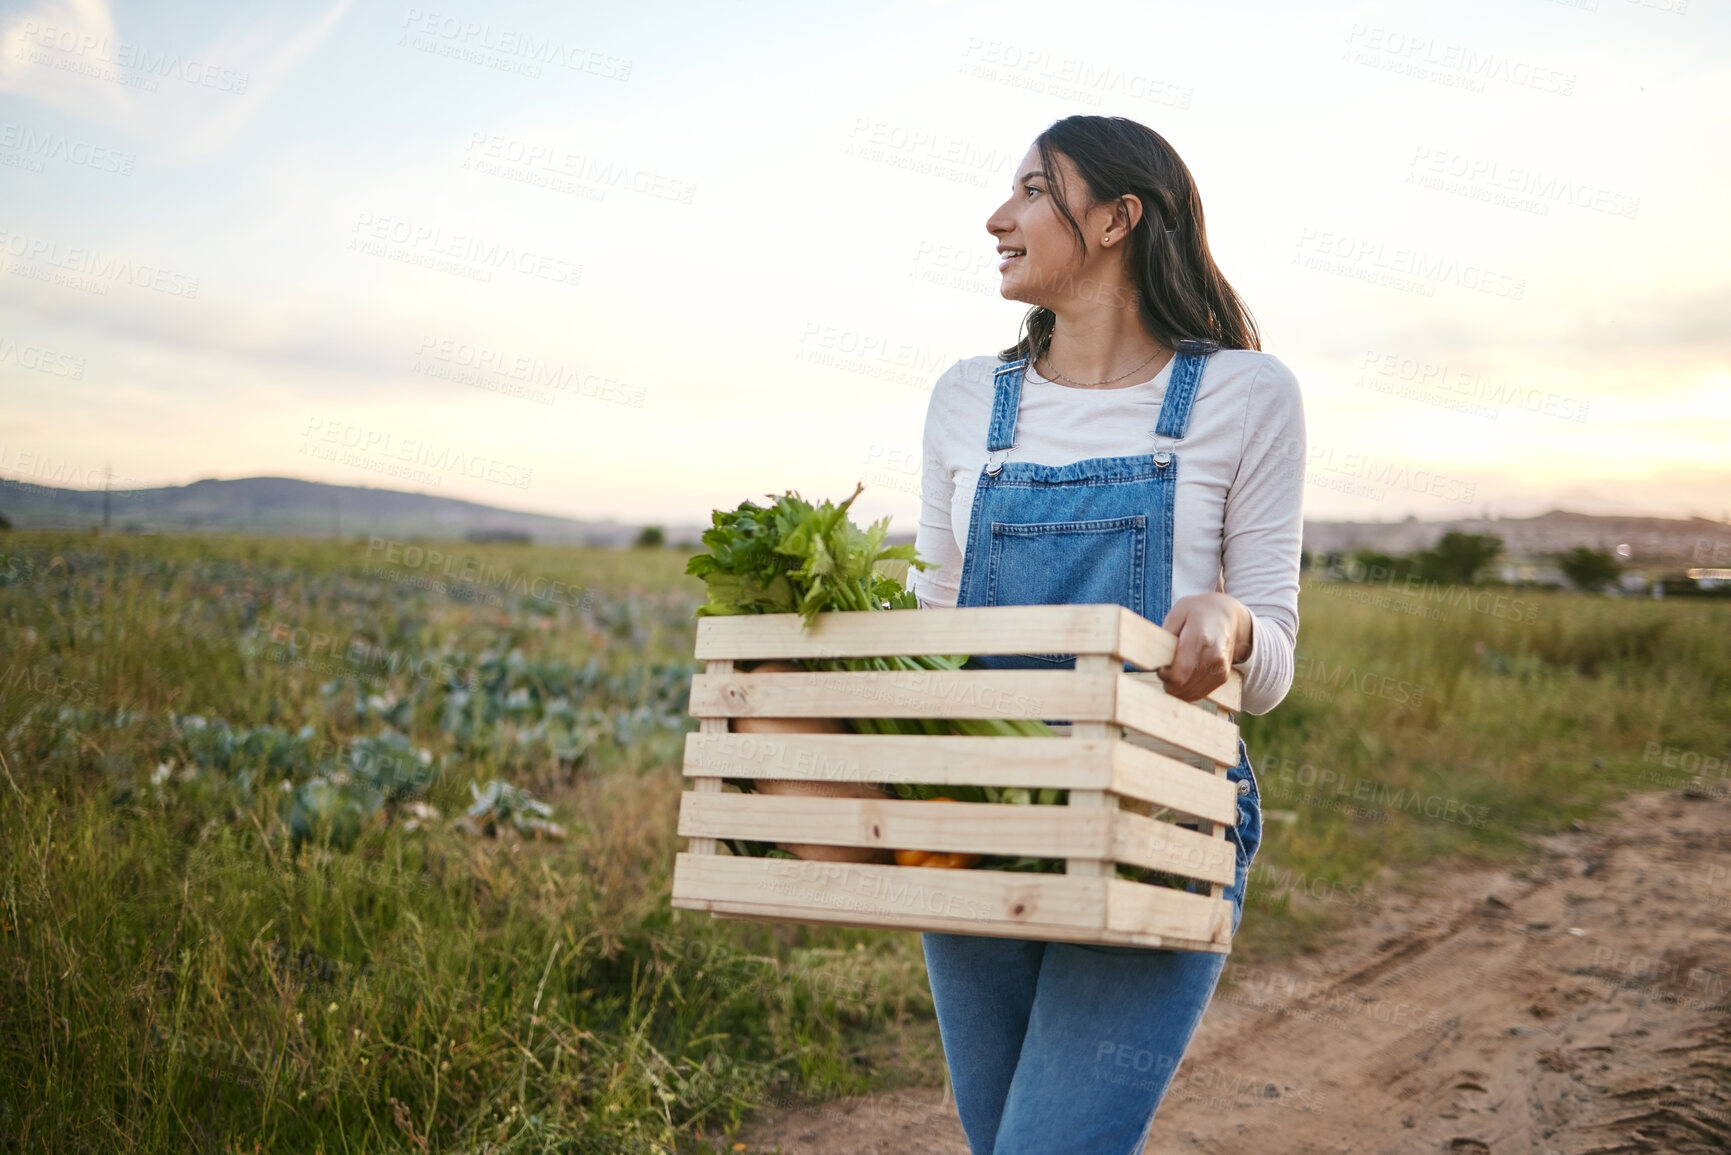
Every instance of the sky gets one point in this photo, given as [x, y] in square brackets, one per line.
[643, 261]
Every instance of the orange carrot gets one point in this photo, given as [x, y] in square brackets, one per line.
[955, 860]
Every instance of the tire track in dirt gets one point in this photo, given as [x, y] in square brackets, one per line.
[1582, 1008]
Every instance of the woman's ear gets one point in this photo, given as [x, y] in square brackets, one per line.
[1128, 211]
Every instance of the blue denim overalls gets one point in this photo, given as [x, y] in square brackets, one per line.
[1059, 1047]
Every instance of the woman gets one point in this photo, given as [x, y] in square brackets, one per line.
[1119, 452]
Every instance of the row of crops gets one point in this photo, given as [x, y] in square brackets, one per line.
[312, 853]
[375, 665]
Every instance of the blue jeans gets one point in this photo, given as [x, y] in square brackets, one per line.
[1059, 1047]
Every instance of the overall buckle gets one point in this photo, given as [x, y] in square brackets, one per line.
[1164, 448]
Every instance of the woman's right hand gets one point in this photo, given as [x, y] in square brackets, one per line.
[1214, 633]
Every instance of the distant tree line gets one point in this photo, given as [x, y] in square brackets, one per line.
[654, 537]
[1464, 559]
[1589, 569]
[1456, 559]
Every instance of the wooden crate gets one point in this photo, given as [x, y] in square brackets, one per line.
[1136, 762]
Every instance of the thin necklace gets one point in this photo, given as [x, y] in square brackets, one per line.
[1054, 375]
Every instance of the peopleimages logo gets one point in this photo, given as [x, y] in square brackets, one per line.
[304, 646]
[45, 146]
[877, 892]
[1426, 590]
[554, 161]
[1315, 461]
[924, 151]
[424, 244]
[87, 46]
[479, 572]
[38, 472]
[40, 359]
[1375, 256]
[531, 371]
[102, 266]
[1455, 65]
[1284, 775]
[1522, 180]
[1396, 370]
[523, 46]
[1065, 77]
[871, 355]
[46, 682]
[384, 445]
[1370, 683]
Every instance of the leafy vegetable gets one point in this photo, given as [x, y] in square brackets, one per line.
[795, 557]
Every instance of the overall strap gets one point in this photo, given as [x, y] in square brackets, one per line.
[1187, 363]
[1006, 399]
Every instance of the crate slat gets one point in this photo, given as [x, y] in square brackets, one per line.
[966, 695]
[1151, 777]
[1227, 697]
[1055, 694]
[1159, 845]
[895, 823]
[1053, 907]
[1150, 709]
[1096, 833]
[1093, 865]
[906, 694]
[1188, 921]
[961, 760]
[989, 630]
[1087, 629]
[710, 784]
[949, 760]
[1168, 750]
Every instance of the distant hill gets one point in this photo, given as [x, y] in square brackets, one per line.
[286, 506]
[1652, 541]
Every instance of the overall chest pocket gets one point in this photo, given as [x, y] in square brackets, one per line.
[1068, 563]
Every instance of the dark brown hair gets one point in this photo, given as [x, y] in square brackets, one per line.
[1181, 294]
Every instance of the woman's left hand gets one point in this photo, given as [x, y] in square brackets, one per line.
[1214, 634]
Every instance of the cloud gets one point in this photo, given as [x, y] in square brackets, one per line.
[56, 53]
[212, 135]
[271, 333]
[1672, 337]
[71, 55]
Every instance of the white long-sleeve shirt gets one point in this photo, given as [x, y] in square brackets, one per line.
[1238, 509]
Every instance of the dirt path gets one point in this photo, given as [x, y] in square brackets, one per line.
[1583, 1009]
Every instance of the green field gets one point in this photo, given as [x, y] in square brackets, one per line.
[274, 876]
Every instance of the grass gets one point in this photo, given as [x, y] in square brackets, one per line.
[1406, 741]
[241, 907]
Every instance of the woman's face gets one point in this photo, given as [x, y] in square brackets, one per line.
[1037, 253]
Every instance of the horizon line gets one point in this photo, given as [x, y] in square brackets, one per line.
[615, 519]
